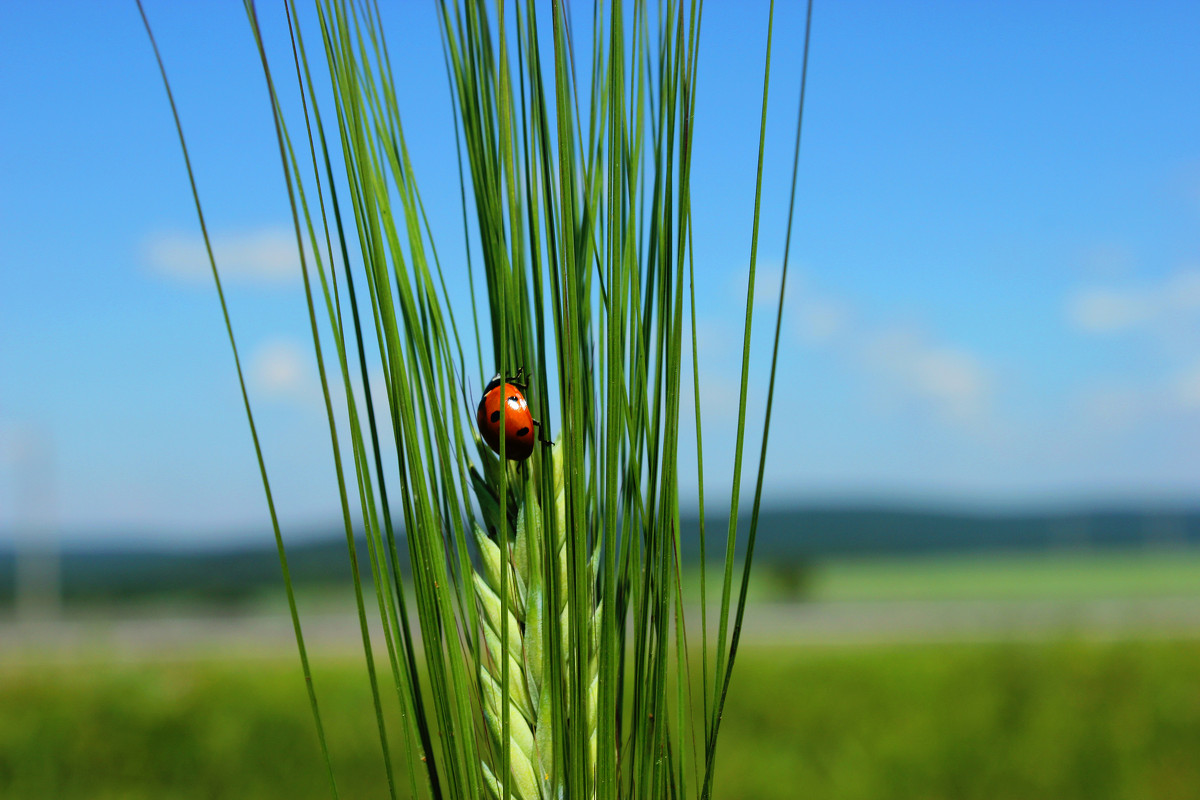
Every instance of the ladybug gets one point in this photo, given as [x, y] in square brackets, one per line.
[518, 421]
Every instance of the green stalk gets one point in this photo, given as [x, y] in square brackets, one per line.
[262, 468]
[741, 607]
[546, 666]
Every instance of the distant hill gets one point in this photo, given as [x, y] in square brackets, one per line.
[235, 574]
[215, 575]
[822, 532]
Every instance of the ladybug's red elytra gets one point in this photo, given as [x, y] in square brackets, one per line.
[519, 423]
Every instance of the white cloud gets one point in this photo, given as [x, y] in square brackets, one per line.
[1166, 314]
[1105, 310]
[1184, 289]
[1164, 304]
[1122, 405]
[1113, 407]
[281, 370]
[1187, 388]
[267, 256]
[905, 363]
[820, 319]
[951, 379]
[815, 316]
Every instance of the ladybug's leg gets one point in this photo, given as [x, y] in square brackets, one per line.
[542, 438]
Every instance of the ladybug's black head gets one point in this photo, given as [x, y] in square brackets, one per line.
[493, 383]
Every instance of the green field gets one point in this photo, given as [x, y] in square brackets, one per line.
[1023, 721]
[1053, 575]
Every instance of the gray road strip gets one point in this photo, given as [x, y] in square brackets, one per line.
[184, 636]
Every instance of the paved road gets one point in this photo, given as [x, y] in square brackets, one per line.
[158, 636]
[867, 622]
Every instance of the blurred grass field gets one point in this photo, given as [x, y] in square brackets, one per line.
[1060, 715]
[1018, 720]
[1055, 575]
[1045, 575]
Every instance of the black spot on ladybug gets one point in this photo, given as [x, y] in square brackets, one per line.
[496, 415]
[523, 432]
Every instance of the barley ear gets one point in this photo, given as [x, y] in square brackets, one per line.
[534, 651]
[494, 788]
[516, 676]
[531, 733]
[493, 614]
[525, 550]
[543, 739]
[493, 568]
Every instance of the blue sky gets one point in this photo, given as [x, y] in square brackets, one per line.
[995, 298]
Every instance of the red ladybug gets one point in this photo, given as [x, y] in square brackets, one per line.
[519, 423]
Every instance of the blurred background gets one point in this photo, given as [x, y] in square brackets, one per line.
[978, 568]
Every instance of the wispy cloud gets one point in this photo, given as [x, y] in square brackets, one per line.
[1116, 406]
[905, 364]
[267, 256]
[1113, 407]
[1106, 309]
[1187, 388]
[281, 370]
[950, 379]
[1165, 316]
[818, 318]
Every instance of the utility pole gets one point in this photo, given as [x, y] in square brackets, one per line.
[38, 583]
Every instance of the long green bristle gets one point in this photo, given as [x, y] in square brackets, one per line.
[538, 646]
